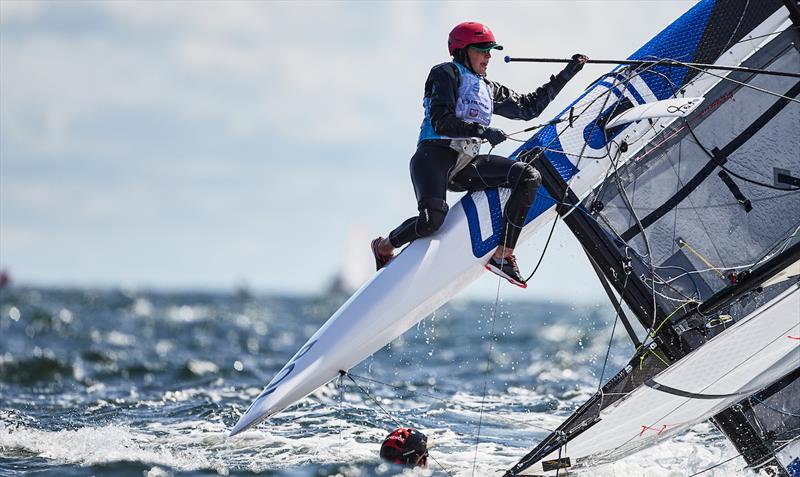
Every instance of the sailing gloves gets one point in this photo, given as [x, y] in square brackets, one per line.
[576, 64]
[493, 135]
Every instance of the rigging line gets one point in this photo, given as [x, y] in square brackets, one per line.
[611, 339]
[653, 333]
[763, 402]
[678, 185]
[633, 73]
[343, 373]
[629, 205]
[757, 464]
[713, 206]
[667, 297]
[766, 35]
[741, 83]
[664, 61]
[401, 388]
[486, 373]
[736, 28]
[624, 196]
[710, 265]
[768, 254]
[715, 465]
[341, 414]
[544, 250]
[685, 274]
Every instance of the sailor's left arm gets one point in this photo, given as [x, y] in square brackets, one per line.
[512, 105]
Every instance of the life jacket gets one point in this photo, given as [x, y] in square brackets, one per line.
[474, 103]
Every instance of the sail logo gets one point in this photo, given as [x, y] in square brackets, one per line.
[595, 133]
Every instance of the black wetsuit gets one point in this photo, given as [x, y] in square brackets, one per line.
[433, 160]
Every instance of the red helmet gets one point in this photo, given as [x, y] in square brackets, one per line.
[470, 33]
[406, 446]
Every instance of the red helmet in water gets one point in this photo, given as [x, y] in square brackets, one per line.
[471, 33]
[406, 446]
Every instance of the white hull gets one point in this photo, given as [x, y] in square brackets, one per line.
[431, 271]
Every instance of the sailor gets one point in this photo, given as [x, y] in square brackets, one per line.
[459, 101]
[406, 446]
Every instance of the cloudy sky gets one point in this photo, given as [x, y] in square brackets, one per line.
[208, 144]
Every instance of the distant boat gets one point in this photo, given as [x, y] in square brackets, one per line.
[5, 279]
[357, 266]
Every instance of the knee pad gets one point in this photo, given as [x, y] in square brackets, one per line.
[431, 216]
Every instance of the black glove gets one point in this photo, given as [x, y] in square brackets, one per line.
[576, 64]
[493, 135]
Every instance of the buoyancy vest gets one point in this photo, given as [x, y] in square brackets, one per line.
[474, 103]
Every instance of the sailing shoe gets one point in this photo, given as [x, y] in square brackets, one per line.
[380, 259]
[508, 269]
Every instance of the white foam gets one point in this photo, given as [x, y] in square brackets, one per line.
[99, 445]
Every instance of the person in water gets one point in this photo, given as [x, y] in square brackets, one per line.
[406, 446]
[459, 102]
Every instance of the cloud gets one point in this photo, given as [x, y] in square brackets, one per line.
[259, 130]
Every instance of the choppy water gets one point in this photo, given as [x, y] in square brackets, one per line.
[115, 383]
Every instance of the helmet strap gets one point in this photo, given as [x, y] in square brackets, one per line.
[461, 56]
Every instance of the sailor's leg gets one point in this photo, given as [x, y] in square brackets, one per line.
[524, 181]
[429, 168]
[497, 171]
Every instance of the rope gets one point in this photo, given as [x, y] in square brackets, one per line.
[342, 374]
[486, 375]
[341, 427]
[400, 388]
[766, 35]
[741, 83]
[711, 266]
[715, 465]
[611, 339]
[446, 401]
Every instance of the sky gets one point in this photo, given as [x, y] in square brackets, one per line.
[211, 144]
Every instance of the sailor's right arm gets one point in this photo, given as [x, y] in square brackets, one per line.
[441, 89]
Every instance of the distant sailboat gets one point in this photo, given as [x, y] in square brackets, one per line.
[357, 265]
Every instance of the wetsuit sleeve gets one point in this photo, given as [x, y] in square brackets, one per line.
[441, 89]
[512, 105]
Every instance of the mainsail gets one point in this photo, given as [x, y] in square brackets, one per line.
[699, 233]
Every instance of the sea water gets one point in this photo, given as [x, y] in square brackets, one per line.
[145, 383]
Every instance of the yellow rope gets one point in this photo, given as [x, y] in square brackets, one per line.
[652, 333]
[683, 243]
[642, 357]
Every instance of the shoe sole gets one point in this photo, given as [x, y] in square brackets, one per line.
[511, 280]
